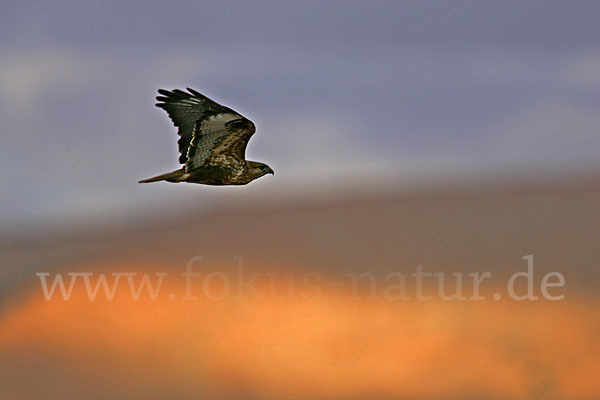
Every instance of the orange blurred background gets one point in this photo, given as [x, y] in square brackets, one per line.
[337, 344]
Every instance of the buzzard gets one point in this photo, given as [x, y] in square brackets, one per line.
[212, 141]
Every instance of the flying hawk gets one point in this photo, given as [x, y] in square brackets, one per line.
[212, 141]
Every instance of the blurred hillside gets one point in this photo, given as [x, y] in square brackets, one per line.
[463, 229]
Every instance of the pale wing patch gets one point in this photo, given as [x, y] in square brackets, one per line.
[217, 122]
[208, 135]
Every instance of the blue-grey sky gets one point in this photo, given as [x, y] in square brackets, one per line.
[355, 90]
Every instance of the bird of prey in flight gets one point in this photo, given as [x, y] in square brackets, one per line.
[212, 141]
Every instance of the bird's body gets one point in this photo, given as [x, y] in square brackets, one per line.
[212, 175]
[212, 144]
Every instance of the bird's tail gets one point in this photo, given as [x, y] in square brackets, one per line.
[169, 177]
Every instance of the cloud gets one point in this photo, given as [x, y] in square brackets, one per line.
[26, 74]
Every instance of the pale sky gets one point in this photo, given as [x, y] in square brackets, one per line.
[337, 89]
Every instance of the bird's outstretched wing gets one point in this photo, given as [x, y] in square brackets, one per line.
[210, 134]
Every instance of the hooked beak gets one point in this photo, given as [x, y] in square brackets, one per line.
[271, 172]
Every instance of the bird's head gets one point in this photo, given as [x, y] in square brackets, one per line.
[258, 169]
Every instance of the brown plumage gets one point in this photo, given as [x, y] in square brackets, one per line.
[212, 141]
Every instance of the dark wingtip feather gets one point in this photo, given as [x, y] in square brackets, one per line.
[181, 93]
[164, 92]
[195, 93]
